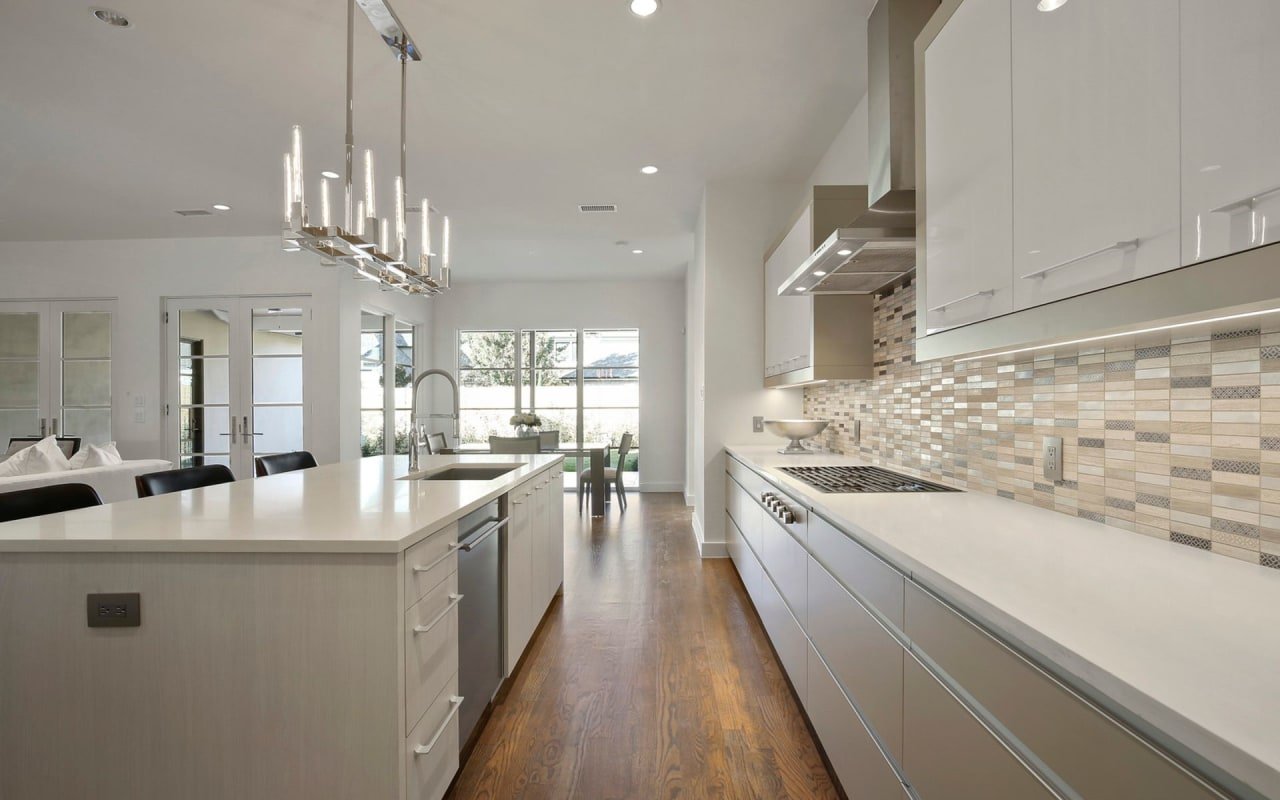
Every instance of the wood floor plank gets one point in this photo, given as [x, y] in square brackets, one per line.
[651, 678]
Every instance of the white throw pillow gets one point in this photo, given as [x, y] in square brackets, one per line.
[91, 455]
[43, 456]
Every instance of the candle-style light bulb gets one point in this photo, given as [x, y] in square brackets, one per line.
[297, 163]
[426, 227]
[359, 218]
[383, 244]
[399, 216]
[324, 202]
[288, 190]
[369, 208]
[444, 245]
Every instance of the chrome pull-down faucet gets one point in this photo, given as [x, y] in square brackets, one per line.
[416, 440]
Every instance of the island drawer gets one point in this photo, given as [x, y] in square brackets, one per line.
[431, 749]
[1086, 747]
[428, 562]
[431, 647]
[948, 754]
[862, 572]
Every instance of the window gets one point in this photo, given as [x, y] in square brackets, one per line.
[583, 383]
[386, 383]
[487, 380]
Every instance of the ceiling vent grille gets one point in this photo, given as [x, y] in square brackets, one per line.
[598, 208]
[193, 212]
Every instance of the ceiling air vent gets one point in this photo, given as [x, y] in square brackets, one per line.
[598, 208]
[193, 212]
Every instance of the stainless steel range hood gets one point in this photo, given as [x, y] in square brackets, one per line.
[876, 246]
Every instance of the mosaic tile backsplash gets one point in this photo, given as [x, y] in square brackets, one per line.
[1170, 435]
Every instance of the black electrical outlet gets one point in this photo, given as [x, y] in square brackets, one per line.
[114, 610]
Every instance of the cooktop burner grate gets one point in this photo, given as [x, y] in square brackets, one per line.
[862, 479]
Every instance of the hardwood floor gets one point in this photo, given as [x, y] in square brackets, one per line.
[650, 678]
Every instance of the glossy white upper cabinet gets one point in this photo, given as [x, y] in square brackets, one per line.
[1230, 127]
[968, 168]
[788, 321]
[1095, 146]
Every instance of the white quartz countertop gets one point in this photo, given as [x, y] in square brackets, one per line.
[1185, 641]
[350, 507]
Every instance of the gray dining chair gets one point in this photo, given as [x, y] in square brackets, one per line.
[514, 445]
[607, 474]
[549, 441]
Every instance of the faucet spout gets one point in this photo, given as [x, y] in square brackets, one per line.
[415, 435]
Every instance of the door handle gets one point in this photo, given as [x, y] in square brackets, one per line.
[492, 529]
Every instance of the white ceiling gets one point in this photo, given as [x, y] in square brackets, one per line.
[520, 110]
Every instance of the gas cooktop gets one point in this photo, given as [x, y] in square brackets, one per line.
[851, 480]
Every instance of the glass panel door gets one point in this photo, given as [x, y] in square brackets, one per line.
[23, 367]
[206, 382]
[373, 415]
[82, 377]
[277, 422]
[611, 393]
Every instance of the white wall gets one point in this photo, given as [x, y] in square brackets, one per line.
[140, 274]
[655, 307]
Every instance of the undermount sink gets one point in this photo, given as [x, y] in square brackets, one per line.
[465, 472]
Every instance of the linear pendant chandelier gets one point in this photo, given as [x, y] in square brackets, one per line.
[376, 248]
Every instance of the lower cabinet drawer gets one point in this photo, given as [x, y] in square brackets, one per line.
[786, 561]
[752, 483]
[1094, 754]
[431, 749]
[785, 633]
[947, 754]
[744, 560]
[858, 568]
[428, 562]
[864, 657]
[744, 510]
[858, 762]
[430, 648]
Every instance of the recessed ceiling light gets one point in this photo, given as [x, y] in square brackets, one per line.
[649, 169]
[1050, 5]
[800, 288]
[1211, 168]
[819, 273]
[644, 8]
[113, 18]
[330, 174]
[638, 252]
[844, 252]
[221, 207]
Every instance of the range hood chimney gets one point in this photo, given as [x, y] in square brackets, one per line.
[892, 29]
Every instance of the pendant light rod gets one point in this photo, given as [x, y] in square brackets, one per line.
[351, 90]
[403, 186]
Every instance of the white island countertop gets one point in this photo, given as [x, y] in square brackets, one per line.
[351, 507]
[1186, 642]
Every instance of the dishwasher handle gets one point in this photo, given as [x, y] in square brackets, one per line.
[485, 534]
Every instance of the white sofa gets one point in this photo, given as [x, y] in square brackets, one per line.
[113, 483]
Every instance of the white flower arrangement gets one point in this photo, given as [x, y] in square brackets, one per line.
[532, 420]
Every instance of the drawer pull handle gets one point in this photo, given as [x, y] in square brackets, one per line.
[454, 599]
[455, 703]
[1127, 244]
[428, 567]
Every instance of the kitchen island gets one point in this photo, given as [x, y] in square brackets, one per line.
[298, 633]
[971, 646]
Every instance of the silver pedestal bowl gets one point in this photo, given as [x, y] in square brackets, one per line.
[795, 430]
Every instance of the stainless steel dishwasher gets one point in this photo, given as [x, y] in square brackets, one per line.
[480, 615]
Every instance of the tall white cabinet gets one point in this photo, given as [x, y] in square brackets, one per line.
[1230, 68]
[969, 195]
[1095, 146]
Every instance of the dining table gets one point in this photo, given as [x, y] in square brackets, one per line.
[595, 452]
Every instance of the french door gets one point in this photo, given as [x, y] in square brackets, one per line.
[55, 369]
[236, 379]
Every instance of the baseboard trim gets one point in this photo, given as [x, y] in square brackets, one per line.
[689, 500]
[661, 487]
[714, 549]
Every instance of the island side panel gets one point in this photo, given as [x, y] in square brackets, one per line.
[268, 676]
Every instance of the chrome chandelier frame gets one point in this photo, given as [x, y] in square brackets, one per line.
[363, 241]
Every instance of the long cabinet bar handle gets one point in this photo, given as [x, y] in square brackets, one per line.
[1245, 203]
[455, 703]
[1127, 244]
[428, 567]
[958, 300]
[454, 599]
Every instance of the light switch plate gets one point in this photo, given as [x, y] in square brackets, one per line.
[757, 424]
[1051, 454]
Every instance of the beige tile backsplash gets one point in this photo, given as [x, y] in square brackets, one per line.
[1177, 438]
